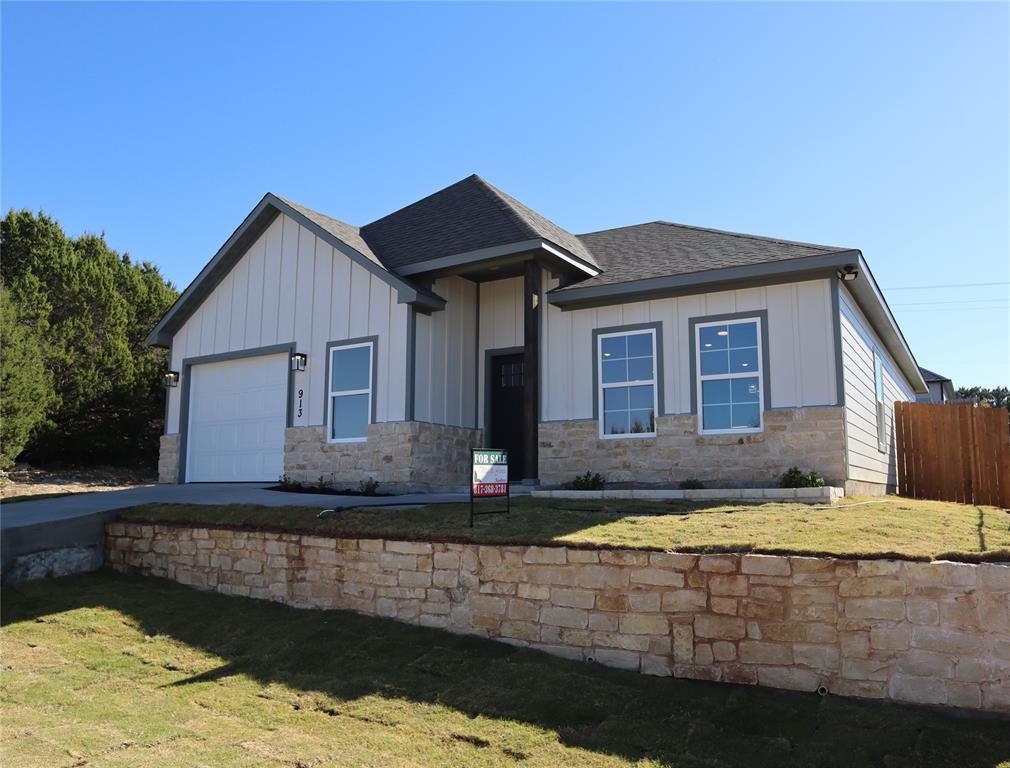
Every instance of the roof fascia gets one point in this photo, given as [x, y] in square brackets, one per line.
[867, 293]
[443, 263]
[258, 220]
[701, 282]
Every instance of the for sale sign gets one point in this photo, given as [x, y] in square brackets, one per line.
[490, 475]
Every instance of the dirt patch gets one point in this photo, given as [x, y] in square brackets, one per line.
[26, 481]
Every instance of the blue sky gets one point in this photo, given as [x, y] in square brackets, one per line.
[877, 126]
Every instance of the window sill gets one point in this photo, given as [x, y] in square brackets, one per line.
[628, 436]
[712, 432]
[342, 440]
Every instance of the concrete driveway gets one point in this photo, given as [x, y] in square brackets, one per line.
[75, 522]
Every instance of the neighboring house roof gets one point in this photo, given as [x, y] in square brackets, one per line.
[929, 375]
[469, 215]
[661, 248]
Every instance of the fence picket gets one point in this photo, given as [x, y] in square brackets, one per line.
[953, 453]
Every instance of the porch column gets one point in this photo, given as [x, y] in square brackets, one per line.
[531, 366]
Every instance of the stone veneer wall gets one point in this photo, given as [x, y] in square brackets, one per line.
[401, 455]
[168, 459]
[810, 438]
[936, 633]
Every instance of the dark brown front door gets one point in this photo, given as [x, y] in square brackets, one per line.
[507, 410]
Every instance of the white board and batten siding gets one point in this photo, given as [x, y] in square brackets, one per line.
[445, 356]
[866, 462]
[800, 339]
[292, 286]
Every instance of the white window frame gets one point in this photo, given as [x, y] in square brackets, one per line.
[699, 378]
[331, 393]
[600, 386]
[880, 402]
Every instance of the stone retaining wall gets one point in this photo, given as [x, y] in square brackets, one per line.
[936, 633]
[403, 456]
[810, 438]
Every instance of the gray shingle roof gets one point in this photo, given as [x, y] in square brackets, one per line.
[466, 216]
[929, 375]
[346, 233]
[661, 248]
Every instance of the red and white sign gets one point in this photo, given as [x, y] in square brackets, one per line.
[490, 473]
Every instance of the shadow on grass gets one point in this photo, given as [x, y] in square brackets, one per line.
[336, 657]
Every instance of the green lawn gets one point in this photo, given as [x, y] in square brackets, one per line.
[106, 670]
[891, 527]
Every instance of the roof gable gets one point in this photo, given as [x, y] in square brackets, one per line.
[469, 215]
[342, 236]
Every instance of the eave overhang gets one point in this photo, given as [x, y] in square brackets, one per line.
[254, 225]
[864, 289]
[550, 254]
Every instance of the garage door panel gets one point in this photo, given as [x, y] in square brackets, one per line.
[237, 416]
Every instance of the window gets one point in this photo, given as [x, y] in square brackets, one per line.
[878, 391]
[350, 396]
[627, 394]
[730, 390]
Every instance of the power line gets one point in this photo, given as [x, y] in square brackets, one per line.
[954, 309]
[953, 301]
[951, 285]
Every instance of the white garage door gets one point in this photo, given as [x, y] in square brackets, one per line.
[237, 415]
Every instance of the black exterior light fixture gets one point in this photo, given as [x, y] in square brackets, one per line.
[172, 379]
[848, 273]
[298, 361]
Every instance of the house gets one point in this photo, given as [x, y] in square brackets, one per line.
[650, 353]
[941, 389]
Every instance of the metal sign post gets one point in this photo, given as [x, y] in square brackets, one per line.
[489, 478]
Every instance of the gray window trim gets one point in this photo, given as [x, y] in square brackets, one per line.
[189, 362]
[489, 354]
[836, 317]
[330, 346]
[597, 332]
[761, 314]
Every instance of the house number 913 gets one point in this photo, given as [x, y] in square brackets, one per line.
[300, 393]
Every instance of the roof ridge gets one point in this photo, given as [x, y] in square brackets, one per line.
[748, 236]
[303, 207]
[742, 235]
[503, 199]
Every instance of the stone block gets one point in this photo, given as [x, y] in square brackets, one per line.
[717, 564]
[889, 639]
[719, 584]
[624, 557]
[657, 577]
[685, 600]
[644, 624]
[488, 606]
[615, 658]
[724, 605]
[719, 627]
[765, 565]
[656, 665]
[790, 678]
[757, 652]
[723, 650]
[575, 618]
[816, 656]
[921, 690]
[533, 591]
[573, 598]
[672, 560]
[545, 555]
[875, 608]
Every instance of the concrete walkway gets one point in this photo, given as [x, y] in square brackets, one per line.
[77, 522]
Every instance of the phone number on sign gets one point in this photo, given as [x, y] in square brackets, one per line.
[490, 489]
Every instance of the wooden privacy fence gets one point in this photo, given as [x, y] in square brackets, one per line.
[953, 453]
